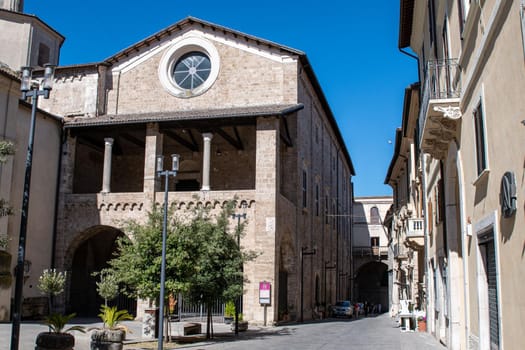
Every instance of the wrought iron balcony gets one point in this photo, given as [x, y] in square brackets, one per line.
[439, 112]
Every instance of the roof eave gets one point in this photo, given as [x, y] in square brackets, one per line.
[406, 16]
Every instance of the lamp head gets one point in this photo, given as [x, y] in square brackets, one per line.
[25, 80]
[49, 75]
[175, 162]
[160, 163]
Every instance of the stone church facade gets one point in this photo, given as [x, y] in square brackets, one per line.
[250, 122]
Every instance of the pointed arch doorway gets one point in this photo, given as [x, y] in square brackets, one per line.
[90, 253]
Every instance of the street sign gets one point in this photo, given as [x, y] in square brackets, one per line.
[265, 289]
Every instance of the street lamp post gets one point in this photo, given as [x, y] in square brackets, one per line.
[239, 300]
[166, 174]
[34, 89]
[304, 251]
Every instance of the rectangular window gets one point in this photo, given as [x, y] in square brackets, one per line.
[317, 200]
[461, 14]
[432, 25]
[43, 54]
[304, 189]
[479, 125]
[326, 209]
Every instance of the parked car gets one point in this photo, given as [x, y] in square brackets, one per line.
[343, 308]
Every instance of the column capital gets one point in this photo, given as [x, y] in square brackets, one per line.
[207, 136]
[109, 140]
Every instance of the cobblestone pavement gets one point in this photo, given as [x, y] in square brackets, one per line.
[379, 332]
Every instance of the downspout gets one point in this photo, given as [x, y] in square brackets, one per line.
[414, 57]
[463, 232]
[57, 194]
[425, 230]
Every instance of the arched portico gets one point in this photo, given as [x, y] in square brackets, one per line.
[90, 252]
[372, 284]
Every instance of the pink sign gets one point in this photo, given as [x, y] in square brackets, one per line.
[265, 289]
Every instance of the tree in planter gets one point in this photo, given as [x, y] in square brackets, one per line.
[107, 286]
[218, 260]
[52, 282]
[202, 258]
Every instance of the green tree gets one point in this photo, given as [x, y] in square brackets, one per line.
[107, 286]
[51, 283]
[202, 257]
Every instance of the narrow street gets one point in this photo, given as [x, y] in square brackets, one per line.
[368, 333]
[379, 332]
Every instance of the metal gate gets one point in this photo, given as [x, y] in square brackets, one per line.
[195, 310]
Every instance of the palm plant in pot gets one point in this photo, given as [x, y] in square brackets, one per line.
[52, 282]
[112, 335]
[229, 312]
[58, 337]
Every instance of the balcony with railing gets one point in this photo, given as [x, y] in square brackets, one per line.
[415, 232]
[370, 251]
[439, 113]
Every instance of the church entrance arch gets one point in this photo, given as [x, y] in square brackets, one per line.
[89, 253]
[372, 284]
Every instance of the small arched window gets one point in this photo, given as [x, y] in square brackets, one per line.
[374, 216]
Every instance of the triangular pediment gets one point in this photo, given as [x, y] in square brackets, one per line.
[194, 26]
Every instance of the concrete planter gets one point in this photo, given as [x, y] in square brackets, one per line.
[55, 341]
[243, 326]
[107, 339]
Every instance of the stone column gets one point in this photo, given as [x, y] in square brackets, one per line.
[153, 147]
[266, 190]
[106, 177]
[206, 161]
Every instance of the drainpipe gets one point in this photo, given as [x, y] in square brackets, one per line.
[425, 230]
[463, 230]
[414, 57]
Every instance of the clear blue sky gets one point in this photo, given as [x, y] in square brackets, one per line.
[352, 46]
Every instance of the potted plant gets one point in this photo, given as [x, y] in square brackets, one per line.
[58, 337]
[229, 312]
[112, 335]
[422, 323]
[51, 283]
[243, 325]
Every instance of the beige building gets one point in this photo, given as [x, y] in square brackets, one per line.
[14, 120]
[370, 264]
[469, 143]
[26, 40]
[249, 120]
[405, 221]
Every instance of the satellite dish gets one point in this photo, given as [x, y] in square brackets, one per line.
[508, 194]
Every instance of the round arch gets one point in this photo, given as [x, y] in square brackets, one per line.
[372, 284]
[90, 252]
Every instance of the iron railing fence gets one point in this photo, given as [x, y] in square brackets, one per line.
[195, 310]
[442, 81]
